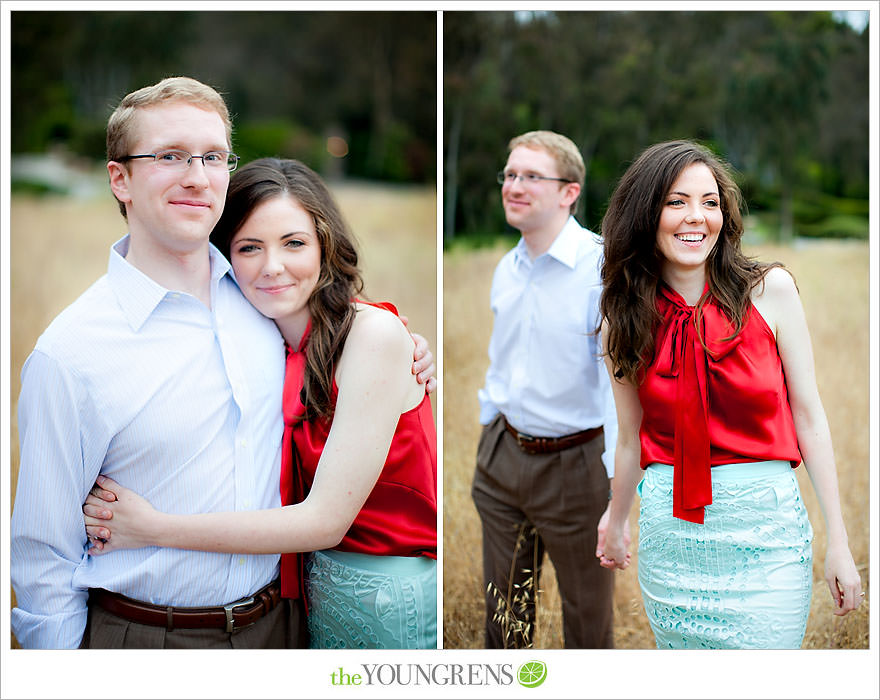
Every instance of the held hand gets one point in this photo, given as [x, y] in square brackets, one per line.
[423, 367]
[116, 518]
[843, 579]
[612, 546]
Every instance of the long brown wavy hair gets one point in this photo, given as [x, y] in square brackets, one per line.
[632, 262]
[339, 280]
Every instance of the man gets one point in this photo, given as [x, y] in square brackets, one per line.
[162, 376]
[540, 483]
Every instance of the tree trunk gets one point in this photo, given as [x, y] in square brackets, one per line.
[786, 216]
[451, 190]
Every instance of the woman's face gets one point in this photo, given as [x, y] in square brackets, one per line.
[276, 257]
[691, 219]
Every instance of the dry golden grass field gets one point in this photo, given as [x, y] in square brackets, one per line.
[833, 279]
[59, 246]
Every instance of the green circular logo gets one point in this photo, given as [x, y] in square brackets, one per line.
[531, 674]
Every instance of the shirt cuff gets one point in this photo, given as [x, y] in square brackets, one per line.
[62, 631]
[488, 410]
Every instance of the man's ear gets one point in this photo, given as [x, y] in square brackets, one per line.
[119, 178]
[571, 191]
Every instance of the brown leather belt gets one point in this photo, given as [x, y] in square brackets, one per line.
[230, 617]
[542, 445]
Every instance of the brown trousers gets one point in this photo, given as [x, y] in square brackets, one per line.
[283, 628]
[529, 504]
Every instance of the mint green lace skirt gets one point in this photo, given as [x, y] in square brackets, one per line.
[741, 580]
[361, 601]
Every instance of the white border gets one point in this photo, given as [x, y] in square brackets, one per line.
[441, 393]
[282, 674]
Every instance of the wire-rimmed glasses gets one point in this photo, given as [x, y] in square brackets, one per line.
[176, 159]
[510, 177]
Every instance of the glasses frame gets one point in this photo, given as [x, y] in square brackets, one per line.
[531, 178]
[230, 166]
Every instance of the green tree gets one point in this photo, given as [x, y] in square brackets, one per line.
[780, 77]
[781, 95]
[291, 79]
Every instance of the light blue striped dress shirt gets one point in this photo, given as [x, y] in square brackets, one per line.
[176, 401]
[545, 371]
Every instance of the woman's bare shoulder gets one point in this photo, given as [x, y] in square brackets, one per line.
[777, 282]
[374, 321]
[379, 341]
[776, 297]
[376, 331]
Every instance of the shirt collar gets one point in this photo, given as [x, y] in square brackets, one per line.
[137, 294]
[564, 247]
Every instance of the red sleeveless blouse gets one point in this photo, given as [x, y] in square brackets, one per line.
[399, 517]
[703, 407]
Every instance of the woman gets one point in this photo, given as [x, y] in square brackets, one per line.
[359, 459]
[716, 397]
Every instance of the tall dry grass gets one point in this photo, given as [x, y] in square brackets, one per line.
[60, 245]
[833, 279]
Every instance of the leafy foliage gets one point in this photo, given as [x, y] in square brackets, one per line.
[782, 95]
[291, 79]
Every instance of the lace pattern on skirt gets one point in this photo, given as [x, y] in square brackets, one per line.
[741, 580]
[356, 608]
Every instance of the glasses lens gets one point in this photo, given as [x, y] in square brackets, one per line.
[231, 161]
[214, 159]
[501, 177]
[172, 159]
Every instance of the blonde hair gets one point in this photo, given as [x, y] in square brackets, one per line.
[561, 148]
[120, 126]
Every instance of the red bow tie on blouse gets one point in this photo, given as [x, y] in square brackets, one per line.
[682, 356]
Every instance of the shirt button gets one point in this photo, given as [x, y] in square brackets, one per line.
[244, 443]
[240, 561]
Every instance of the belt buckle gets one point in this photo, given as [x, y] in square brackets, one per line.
[523, 439]
[529, 443]
[229, 607]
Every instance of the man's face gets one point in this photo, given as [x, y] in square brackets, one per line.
[173, 211]
[530, 206]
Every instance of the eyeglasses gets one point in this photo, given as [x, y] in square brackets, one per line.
[174, 159]
[528, 178]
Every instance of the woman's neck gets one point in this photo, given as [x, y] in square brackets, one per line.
[293, 327]
[689, 284]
